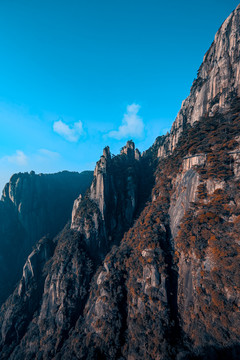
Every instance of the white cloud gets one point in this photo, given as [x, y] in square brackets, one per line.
[19, 158]
[49, 154]
[132, 124]
[71, 134]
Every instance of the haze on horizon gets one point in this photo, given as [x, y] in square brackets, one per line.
[77, 76]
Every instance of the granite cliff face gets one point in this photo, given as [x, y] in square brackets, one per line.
[148, 266]
[26, 298]
[112, 201]
[217, 82]
[38, 200]
[33, 206]
[99, 220]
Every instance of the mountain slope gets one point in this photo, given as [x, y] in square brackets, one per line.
[164, 296]
[98, 221]
[148, 268]
[216, 84]
[33, 206]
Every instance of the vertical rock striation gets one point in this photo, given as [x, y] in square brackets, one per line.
[109, 207]
[31, 207]
[217, 83]
[99, 220]
[130, 279]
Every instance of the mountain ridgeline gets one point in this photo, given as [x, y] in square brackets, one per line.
[148, 265]
[33, 206]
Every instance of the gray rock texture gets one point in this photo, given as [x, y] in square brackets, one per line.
[26, 298]
[31, 207]
[148, 267]
[112, 200]
[185, 193]
[218, 81]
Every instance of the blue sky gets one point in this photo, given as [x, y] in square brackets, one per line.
[77, 75]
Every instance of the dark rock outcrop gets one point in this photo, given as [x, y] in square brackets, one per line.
[99, 220]
[17, 312]
[115, 195]
[149, 266]
[33, 206]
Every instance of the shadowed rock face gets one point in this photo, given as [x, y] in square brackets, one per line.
[147, 267]
[99, 220]
[42, 202]
[112, 201]
[26, 297]
[33, 206]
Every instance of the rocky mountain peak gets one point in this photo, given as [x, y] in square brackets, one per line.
[106, 152]
[148, 269]
[218, 81]
[112, 199]
[129, 150]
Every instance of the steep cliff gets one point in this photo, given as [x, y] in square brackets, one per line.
[117, 192]
[99, 220]
[18, 310]
[33, 206]
[148, 268]
[216, 85]
[171, 289]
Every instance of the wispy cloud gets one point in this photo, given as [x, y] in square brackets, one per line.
[19, 158]
[48, 154]
[132, 124]
[71, 134]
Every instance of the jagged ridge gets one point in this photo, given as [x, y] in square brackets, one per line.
[33, 206]
[168, 289]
